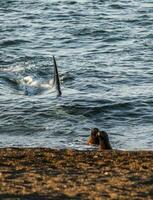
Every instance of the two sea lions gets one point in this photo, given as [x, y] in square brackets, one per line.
[99, 138]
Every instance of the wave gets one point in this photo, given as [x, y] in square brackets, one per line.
[5, 43]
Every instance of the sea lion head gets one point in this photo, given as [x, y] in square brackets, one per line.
[93, 139]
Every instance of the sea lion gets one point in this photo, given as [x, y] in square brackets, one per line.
[99, 138]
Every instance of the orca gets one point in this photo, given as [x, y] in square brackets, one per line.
[56, 80]
[31, 85]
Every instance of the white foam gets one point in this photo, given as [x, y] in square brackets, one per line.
[31, 85]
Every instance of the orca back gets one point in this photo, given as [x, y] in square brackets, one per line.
[56, 80]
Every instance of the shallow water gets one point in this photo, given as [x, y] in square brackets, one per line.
[104, 53]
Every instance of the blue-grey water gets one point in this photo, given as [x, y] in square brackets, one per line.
[104, 51]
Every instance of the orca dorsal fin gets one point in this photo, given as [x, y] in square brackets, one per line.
[56, 80]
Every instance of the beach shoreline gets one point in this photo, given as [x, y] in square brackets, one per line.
[44, 173]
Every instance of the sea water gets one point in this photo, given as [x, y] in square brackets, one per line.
[104, 52]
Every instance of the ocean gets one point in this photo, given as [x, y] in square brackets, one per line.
[104, 53]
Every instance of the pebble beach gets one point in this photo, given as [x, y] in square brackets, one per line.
[43, 173]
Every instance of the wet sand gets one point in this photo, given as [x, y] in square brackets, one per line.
[43, 173]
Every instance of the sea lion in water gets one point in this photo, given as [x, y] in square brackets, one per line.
[99, 138]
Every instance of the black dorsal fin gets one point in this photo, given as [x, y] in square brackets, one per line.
[56, 80]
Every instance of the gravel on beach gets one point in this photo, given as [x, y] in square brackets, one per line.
[43, 173]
